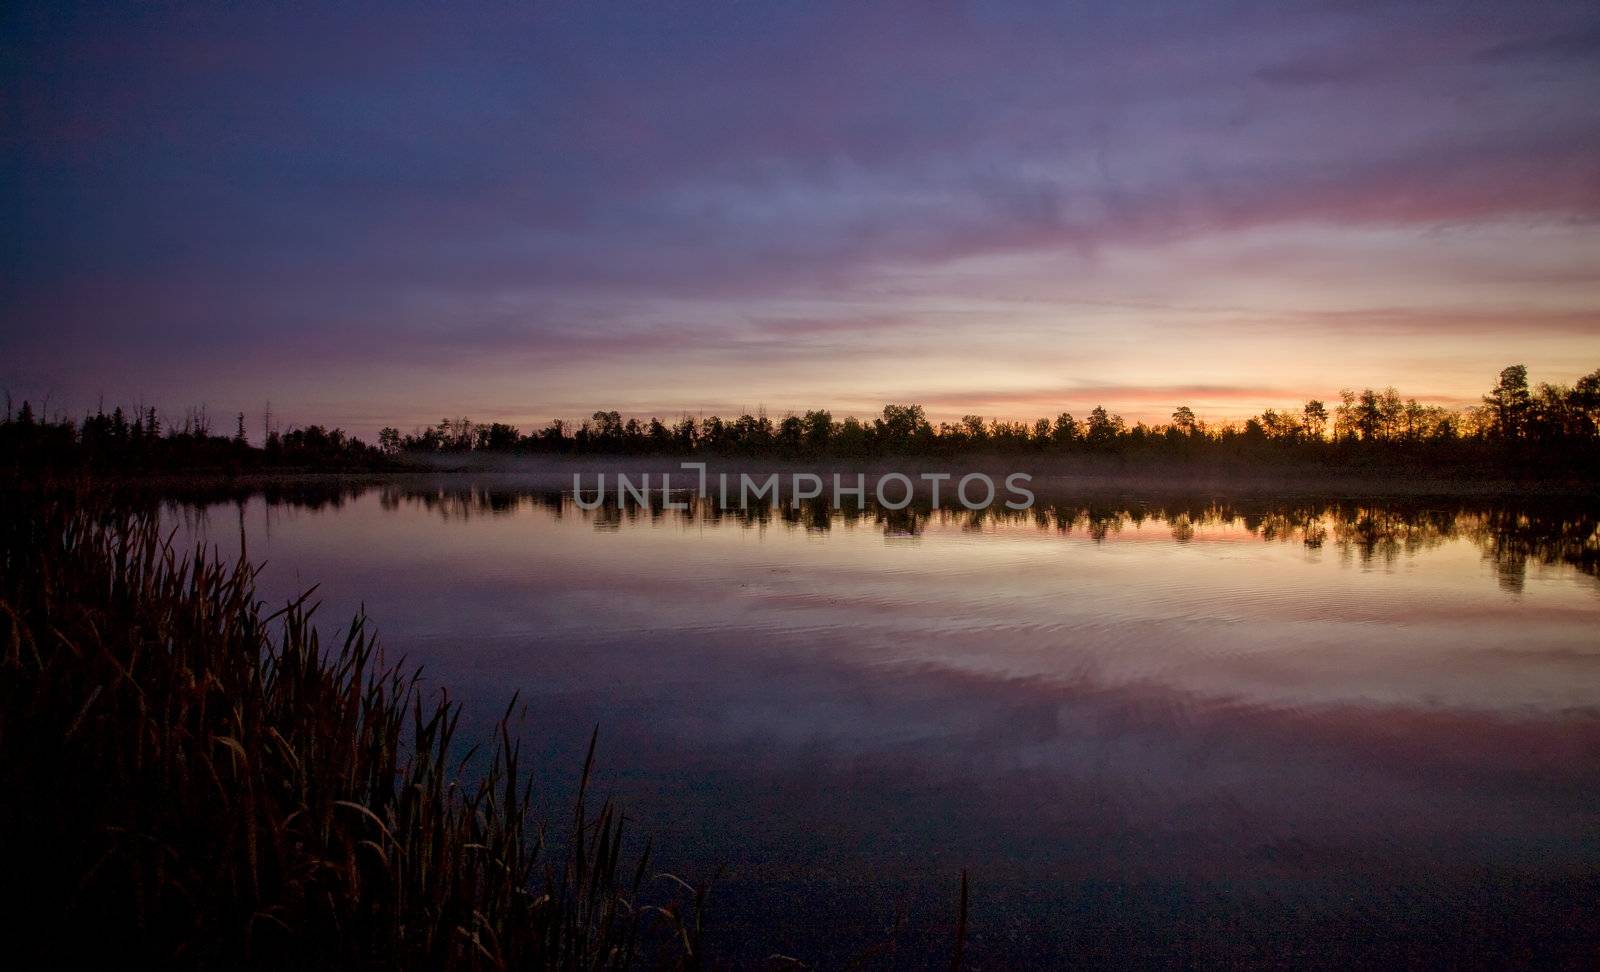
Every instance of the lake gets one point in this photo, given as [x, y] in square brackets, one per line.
[1160, 733]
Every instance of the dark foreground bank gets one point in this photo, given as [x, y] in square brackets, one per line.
[191, 782]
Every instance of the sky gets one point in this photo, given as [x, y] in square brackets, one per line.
[383, 214]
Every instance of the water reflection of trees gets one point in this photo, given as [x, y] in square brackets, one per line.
[1512, 536]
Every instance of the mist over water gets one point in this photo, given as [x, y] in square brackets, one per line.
[1147, 729]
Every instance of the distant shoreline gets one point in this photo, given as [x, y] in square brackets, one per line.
[1053, 477]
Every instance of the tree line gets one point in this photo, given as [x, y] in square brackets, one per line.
[1513, 415]
[141, 438]
[1512, 411]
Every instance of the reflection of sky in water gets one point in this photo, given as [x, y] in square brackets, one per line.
[1050, 709]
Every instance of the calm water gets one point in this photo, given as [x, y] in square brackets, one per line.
[1286, 734]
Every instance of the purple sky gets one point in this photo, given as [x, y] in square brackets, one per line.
[374, 215]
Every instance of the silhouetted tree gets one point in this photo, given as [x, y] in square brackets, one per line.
[852, 437]
[818, 430]
[901, 427]
[977, 430]
[1510, 402]
[496, 437]
[1065, 429]
[685, 435]
[1103, 427]
[1315, 417]
[1279, 425]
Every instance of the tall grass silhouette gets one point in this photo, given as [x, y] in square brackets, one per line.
[193, 781]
